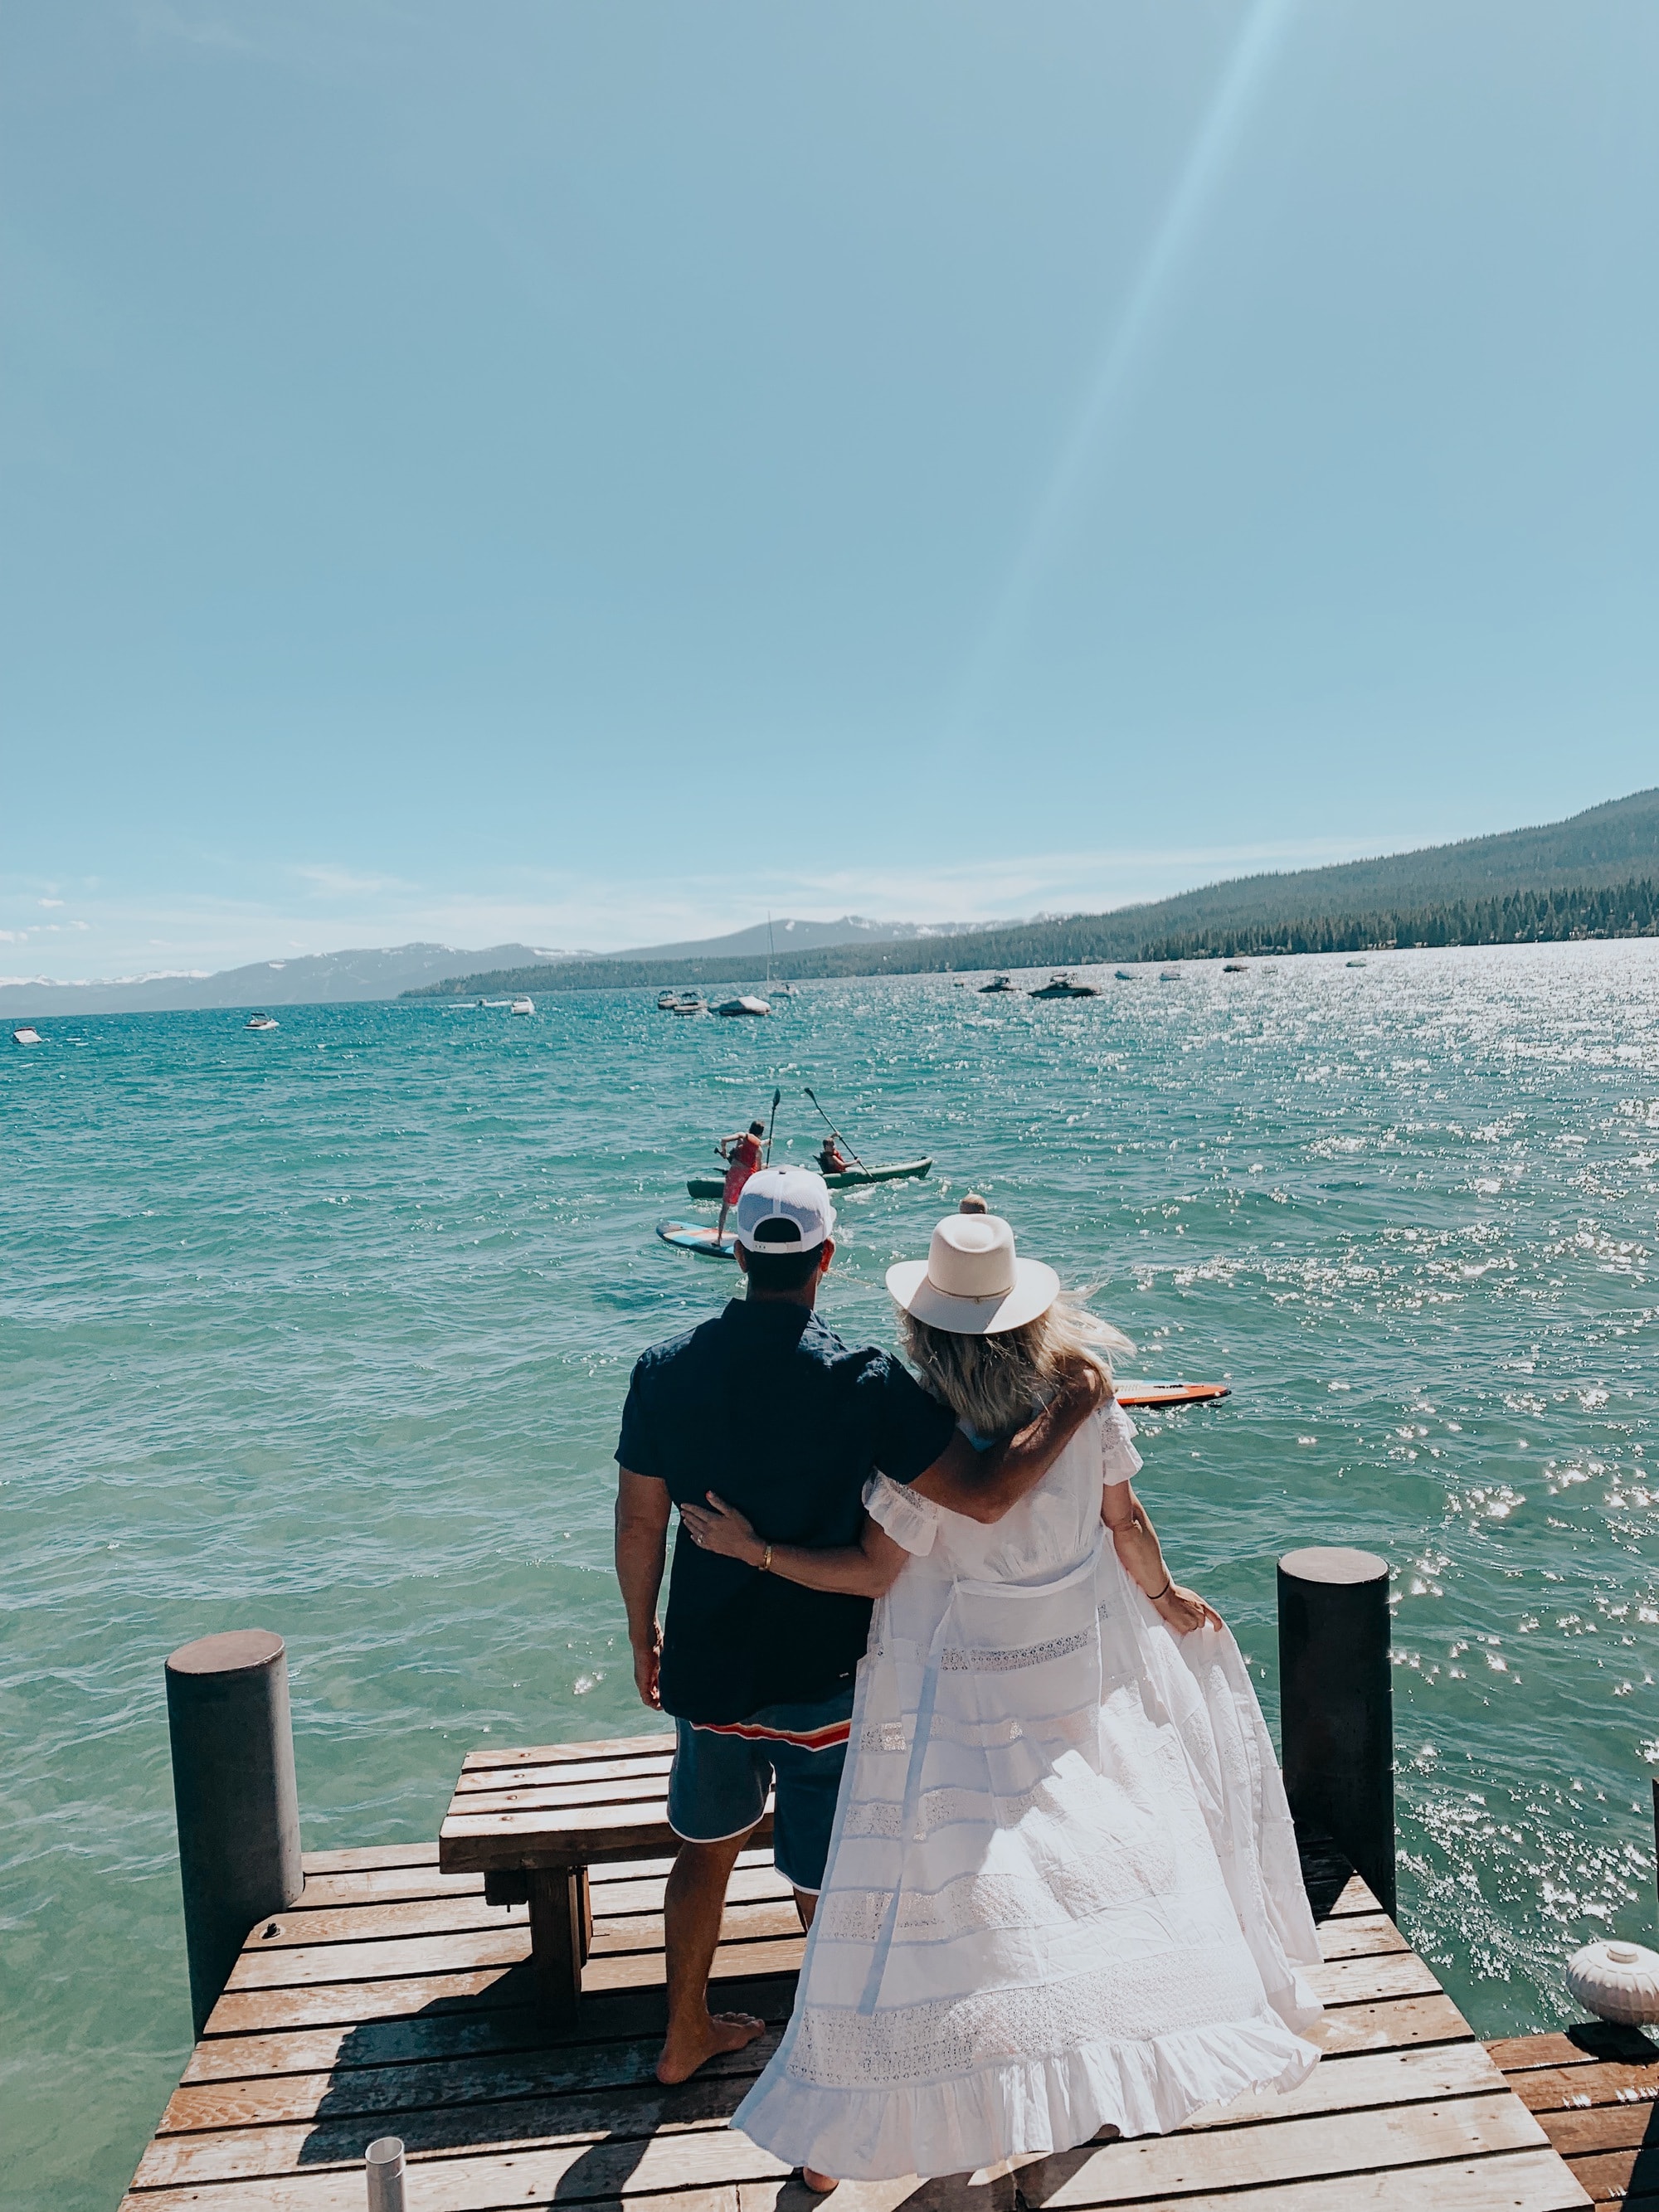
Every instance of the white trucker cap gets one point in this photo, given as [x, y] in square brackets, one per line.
[796, 1200]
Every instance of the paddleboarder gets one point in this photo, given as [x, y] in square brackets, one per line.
[742, 1155]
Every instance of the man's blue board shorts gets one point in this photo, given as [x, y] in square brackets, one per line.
[721, 1775]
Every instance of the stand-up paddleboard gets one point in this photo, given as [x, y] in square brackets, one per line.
[712, 1186]
[1170, 1394]
[695, 1237]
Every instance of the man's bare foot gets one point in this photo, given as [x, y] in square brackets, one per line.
[694, 2044]
[819, 2184]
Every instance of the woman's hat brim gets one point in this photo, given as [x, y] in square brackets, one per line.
[1035, 1287]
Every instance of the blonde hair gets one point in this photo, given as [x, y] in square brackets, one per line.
[995, 1383]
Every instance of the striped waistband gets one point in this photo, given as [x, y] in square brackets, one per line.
[823, 1739]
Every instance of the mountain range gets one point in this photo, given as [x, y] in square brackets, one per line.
[390, 972]
[1604, 849]
[1397, 898]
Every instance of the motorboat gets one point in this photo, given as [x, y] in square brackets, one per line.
[665, 1001]
[1123, 975]
[522, 1005]
[1356, 964]
[1168, 975]
[690, 1003]
[997, 985]
[744, 1003]
[1234, 968]
[1067, 986]
[261, 1022]
[25, 1036]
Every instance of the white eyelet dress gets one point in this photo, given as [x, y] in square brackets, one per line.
[1063, 1889]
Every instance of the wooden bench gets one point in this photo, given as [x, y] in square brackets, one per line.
[533, 1821]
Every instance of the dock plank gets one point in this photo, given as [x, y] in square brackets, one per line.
[557, 1755]
[1593, 2088]
[391, 1998]
[1278, 2151]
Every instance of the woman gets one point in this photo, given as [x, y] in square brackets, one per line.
[1063, 1892]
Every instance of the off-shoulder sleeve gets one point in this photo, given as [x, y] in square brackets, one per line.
[910, 1520]
[1119, 1460]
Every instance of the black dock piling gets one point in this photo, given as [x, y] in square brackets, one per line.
[233, 1789]
[1337, 1706]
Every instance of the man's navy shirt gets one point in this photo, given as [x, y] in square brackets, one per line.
[770, 1409]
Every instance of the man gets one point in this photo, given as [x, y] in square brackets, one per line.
[766, 1404]
[742, 1155]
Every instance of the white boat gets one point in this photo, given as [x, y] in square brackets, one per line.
[743, 1005]
[261, 1022]
[25, 1036]
[690, 1002]
[525, 1006]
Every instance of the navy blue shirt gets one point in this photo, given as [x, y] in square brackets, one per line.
[768, 1407]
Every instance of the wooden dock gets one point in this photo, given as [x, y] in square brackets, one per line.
[1594, 2090]
[394, 2000]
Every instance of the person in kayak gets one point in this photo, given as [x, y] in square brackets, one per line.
[742, 1155]
[831, 1159]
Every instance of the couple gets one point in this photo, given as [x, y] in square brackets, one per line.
[1055, 1887]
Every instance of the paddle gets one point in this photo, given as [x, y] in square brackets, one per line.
[833, 1131]
[771, 1118]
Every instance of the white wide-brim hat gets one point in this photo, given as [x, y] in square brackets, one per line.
[972, 1283]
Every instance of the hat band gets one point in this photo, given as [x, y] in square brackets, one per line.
[969, 1298]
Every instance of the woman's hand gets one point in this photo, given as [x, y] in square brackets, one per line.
[1184, 1610]
[718, 1526]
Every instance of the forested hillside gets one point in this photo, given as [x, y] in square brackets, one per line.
[1461, 894]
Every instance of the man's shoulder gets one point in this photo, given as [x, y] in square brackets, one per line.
[691, 1344]
[850, 1361]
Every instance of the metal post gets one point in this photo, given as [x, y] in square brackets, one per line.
[233, 1789]
[1336, 1701]
[383, 2163]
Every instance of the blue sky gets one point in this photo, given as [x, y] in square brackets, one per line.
[591, 473]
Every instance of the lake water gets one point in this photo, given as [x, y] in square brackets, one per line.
[327, 1329]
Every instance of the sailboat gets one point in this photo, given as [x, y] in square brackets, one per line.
[783, 990]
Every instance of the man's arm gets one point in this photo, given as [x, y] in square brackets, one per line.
[642, 1512]
[987, 1485]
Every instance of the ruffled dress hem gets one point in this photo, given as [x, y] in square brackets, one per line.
[1019, 2109]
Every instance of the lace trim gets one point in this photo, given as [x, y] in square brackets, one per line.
[1134, 2001]
[992, 1659]
[893, 1736]
[1051, 1894]
[955, 1660]
[942, 1808]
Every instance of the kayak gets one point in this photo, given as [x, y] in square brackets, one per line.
[1170, 1394]
[695, 1237]
[712, 1186]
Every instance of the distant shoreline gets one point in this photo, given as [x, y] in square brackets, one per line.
[1568, 913]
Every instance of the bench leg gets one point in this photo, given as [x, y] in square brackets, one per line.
[561, 1929]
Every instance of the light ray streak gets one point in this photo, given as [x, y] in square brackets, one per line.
[1213, 147]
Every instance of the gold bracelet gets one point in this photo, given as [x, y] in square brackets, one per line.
[766, 1563]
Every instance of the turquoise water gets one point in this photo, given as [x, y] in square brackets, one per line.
[328, 1329]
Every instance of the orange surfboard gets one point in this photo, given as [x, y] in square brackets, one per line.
[1170, 1394]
